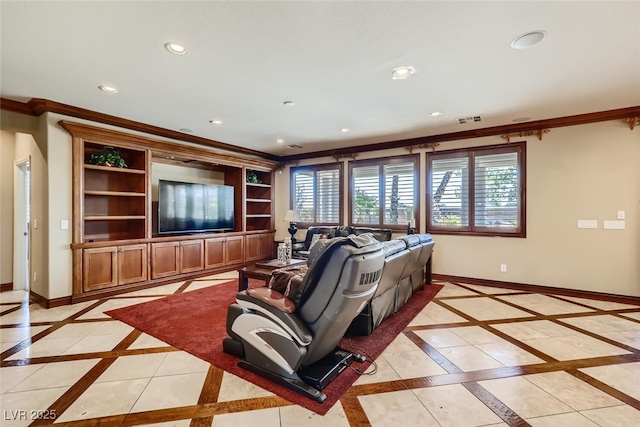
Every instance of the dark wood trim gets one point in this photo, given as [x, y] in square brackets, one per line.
[48, 303]
[541, 289]
[38, 106]
[519, 148]
[5, 287]
[579, 119]
[158, 148]
[16, 107]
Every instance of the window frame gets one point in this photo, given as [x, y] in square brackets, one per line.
[471, 153]
[315, 169]
[381, 163]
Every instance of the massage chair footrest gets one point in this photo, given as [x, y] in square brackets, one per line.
[325, 370]
[296, 384]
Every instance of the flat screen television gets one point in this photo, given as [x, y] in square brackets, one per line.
[188, 207]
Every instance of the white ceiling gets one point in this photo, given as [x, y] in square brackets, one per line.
[333, 59]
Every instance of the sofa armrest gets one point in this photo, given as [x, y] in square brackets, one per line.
[299, 246]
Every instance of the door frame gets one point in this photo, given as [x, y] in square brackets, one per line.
[22, 224]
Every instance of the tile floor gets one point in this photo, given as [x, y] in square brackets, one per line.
[475, 356]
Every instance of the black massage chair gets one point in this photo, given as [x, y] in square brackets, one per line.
[294, 343]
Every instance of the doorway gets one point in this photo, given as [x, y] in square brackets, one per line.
[22, 224]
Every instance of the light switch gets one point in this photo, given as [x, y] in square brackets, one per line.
[35, 224]
[64, 224]
[620, 214]
[614, 225]
[587, 223]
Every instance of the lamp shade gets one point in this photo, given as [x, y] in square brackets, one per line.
[292, 216]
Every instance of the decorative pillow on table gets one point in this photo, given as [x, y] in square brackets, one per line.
[287, 281]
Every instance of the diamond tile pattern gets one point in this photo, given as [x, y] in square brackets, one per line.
[475, 356]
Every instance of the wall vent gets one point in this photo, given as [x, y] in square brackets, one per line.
[470, 119]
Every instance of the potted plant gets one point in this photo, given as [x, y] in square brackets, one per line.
[108, 156]
[252, 177]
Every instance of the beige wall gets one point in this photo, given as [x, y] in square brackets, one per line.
[27, 146]
[7, 157]
[578, 172]
[18, 146]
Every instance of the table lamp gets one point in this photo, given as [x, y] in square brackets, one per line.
[293, 217]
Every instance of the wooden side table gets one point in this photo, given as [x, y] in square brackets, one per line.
[262, 271]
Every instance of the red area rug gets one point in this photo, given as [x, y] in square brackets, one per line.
[196, 323]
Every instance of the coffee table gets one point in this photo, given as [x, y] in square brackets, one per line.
[262, 271]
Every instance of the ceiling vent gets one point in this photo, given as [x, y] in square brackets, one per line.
[464, 120]
[293, 146]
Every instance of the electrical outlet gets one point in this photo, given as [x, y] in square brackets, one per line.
[503, 268]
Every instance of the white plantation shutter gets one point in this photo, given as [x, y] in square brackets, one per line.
[496, 190]
[383, 192]
[366, 195]
[316, 194]
[477, 191]
[450, 192]
[398, 211]
[328, 200]
[303, 195]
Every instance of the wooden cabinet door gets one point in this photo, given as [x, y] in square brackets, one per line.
[234, 250]
[214, 250]
[99, 268]
[259, 246]
[191, 255]
[266, 246]
[132, 264]
[253, 245]
[165, 259]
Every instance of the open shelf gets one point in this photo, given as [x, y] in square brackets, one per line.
[258, 202]
[114, 200]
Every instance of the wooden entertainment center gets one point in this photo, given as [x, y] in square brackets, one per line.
[115, 244]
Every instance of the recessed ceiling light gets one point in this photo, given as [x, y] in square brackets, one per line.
[289, 103]
[108, 89]
[280, 141]
[186, 130]
[345, 130]
[215, 122]
[435, 114]
[176, 48]
[528, 39]
[402, 73]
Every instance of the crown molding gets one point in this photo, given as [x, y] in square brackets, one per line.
[434, 140]
[16, 107]
[38, 106]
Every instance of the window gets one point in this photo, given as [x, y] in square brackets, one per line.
[316, 193]
[383, 192]
[477, 191]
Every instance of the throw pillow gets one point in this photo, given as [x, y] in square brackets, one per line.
[314, 240]
[287, 281]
